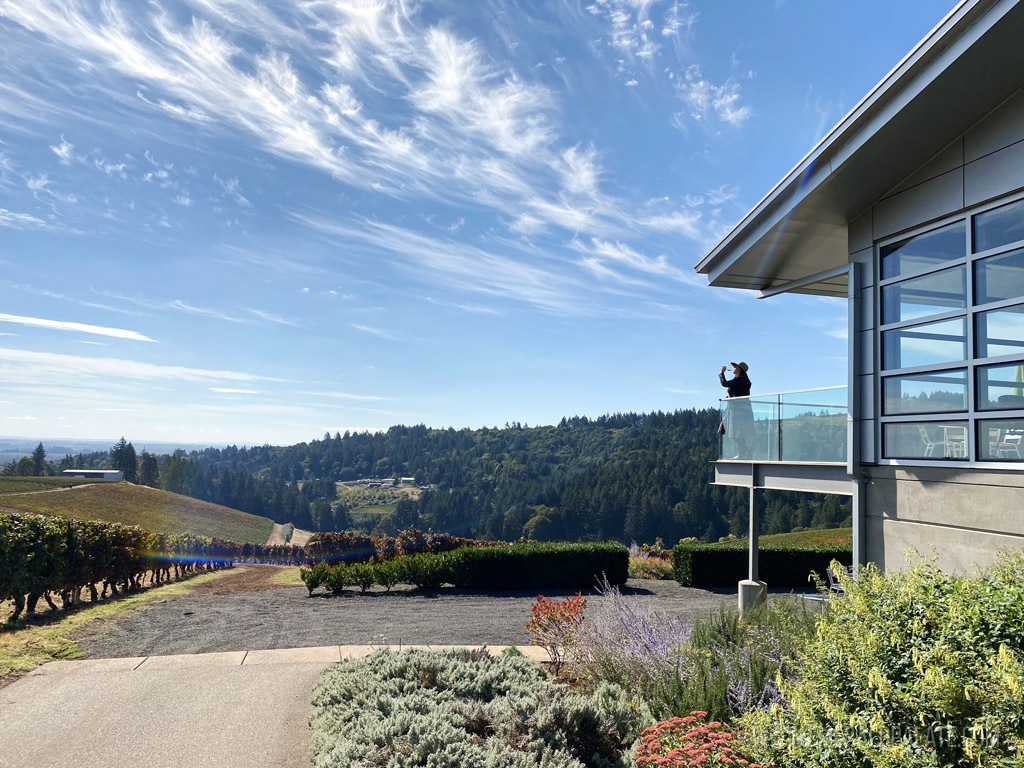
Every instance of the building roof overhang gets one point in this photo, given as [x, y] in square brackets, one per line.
[962, 70]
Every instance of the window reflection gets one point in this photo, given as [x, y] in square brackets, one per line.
[999, 226]
[1001, 387]
[1000, 332]
[926, 344]
[924, 250]
[925, 393]
[999, 277]
[919, 297]
[1001, 440]
[926, 440]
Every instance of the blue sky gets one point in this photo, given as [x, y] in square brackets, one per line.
[236, 221]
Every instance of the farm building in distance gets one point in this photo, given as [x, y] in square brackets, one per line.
[116, 475]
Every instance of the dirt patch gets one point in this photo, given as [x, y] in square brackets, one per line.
[245, 579]
[247, 610]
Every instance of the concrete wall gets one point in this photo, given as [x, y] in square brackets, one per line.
[963, 514]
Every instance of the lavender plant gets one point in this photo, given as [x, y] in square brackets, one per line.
[726, 666]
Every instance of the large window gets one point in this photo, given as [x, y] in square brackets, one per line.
[951, 340]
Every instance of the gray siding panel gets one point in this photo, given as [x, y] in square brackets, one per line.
[867, 441]
[930, 200]
[866, 339]
[1003, 127]
[866, 297]
[858, 233]
[994, 175]
[951, 158]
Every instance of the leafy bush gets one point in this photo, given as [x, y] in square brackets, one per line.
[464, 709]
[650, 568]
[555, 625]
[361, 575]
[338, 577]
[686, 741]
[917, 668]
[712, 565]
[387, 574]
[314, 576]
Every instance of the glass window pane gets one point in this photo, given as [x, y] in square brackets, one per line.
[926, 440]
[999, 277]
[928, 344]
[1000, 332]
[1001, 440]
[999, 226]
[922, 296]
[925, 393]
[1001, 387]
[924, 250]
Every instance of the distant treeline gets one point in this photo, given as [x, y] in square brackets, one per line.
[622, 477]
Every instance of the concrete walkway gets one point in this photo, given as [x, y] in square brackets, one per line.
[244, 709]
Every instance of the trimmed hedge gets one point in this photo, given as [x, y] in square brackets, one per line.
[529, 565]
[712, 565]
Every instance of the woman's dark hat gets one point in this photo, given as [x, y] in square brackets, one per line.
[742, 366]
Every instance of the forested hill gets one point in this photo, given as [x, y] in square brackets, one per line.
[624, 476]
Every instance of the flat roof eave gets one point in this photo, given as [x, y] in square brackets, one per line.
[972, 58]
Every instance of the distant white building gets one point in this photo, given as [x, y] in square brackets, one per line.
[408, 480]
[116, 475]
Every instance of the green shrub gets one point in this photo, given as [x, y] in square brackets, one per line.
[314, 576]
[464, 709]
[361, 575]
[338, 577]
[650, 568]
[917, 668]
[712, 565]
[387, 573]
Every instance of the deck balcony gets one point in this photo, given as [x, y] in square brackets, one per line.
[797, 441]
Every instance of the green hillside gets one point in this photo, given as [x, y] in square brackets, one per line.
[824, 537]
[30, 484]
[149, 508]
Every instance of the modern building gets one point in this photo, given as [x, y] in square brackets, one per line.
[114, 475]
[911, 208]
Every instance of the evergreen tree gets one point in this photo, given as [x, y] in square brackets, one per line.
[149, 471]
[39, 460]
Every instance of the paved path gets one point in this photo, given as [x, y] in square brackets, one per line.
[243, 709]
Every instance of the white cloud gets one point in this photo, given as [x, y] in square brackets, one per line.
[380, 332]
[230, 391]
[270, 317]
[344, 395]
[20, 220]
[63, 151]
[61, 325]
[48, 364]
[705, 100]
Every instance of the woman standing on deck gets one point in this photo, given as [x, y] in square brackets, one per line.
[739, 417]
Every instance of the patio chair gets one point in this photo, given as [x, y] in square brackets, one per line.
[833, 580]
[929, 445]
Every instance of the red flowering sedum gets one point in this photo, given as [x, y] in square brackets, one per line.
[689, 741]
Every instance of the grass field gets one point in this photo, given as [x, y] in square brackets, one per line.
[23, 484]
[824, 537]
[157, 511]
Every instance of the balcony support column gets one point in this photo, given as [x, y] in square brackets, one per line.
[752, 592]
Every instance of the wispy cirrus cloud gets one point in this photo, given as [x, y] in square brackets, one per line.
[21, 362]
[62, 325]
[15, 220]
[706, 102]
[344, 395]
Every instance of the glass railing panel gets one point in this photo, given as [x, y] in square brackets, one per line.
[808, 426]
[751, 429]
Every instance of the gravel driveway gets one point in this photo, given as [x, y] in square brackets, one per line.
[245, 610]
